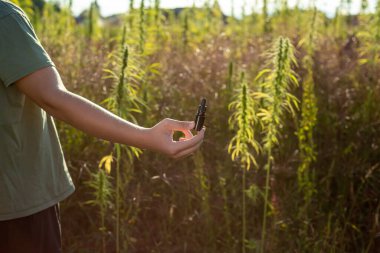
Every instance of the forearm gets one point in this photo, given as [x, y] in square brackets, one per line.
[95, 120]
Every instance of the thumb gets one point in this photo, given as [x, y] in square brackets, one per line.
[179, 125]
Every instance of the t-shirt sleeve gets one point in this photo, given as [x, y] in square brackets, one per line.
[21, 52]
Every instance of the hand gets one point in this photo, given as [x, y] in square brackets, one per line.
[161, 138]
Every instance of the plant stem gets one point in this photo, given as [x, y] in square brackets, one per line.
[103, 236]
[118, 156]
[266, 196]
[244, 218]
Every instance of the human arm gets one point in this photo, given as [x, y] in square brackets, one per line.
[47, 90]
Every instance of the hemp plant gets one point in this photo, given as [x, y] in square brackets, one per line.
[102, 192]
[266, 19]
[277, 82]
[309, 112]
[142, 30]
[363, 6]
[339, 24]
[185, 31]
[204, 191]
[230, 78]
[157, 18]
[130, 16]
[243, 120]
[370, 40]
[124, 102]
[93, 16]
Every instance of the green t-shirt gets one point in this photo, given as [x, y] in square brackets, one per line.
[33, 173]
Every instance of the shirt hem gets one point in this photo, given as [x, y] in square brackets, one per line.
[38, 208]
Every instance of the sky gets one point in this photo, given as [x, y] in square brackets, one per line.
[109, 7]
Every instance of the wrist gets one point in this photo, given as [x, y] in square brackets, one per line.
[139, 138]
[144, 138]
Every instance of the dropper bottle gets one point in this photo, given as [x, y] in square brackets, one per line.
[201, 115]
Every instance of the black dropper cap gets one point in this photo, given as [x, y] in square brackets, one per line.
[201, 115]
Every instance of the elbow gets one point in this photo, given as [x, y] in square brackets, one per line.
[53, 102]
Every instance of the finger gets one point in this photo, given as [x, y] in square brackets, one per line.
[179, 125]
[188, 152]
[189, 143]
[188, 134]
[183, 157]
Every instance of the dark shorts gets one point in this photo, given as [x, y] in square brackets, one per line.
[37, 233]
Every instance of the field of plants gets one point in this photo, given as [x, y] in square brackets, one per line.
[291, 157]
